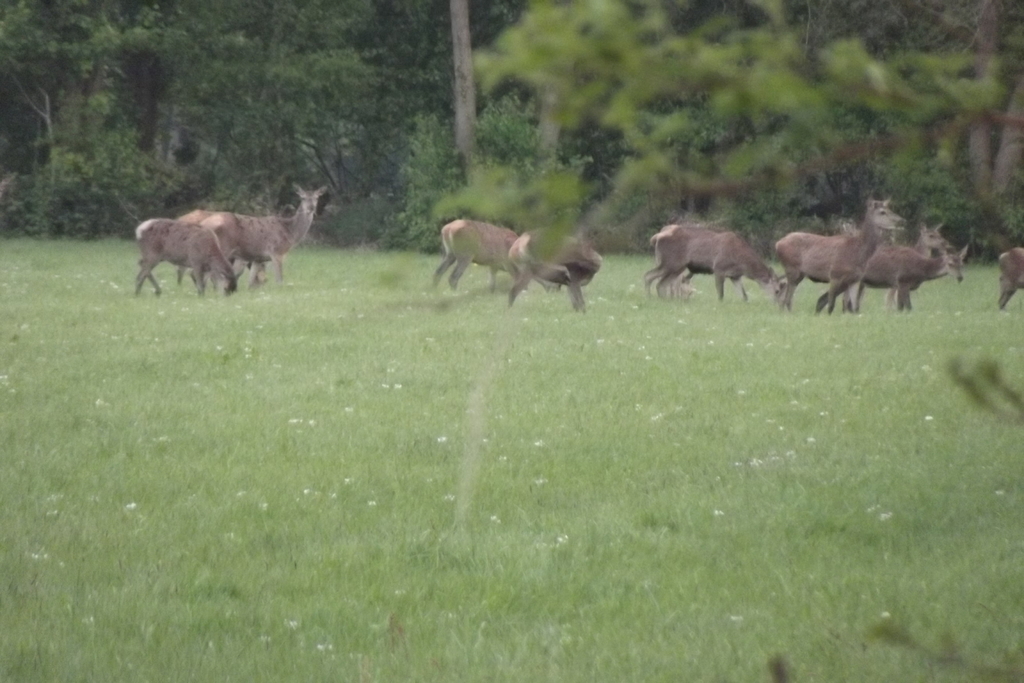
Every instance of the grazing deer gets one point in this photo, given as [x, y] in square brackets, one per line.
[838, 260]
[464, 242]
[573, 264]
[182, 244]
[682, 251]
[1011, 274]
[258, 239]
[903, 270]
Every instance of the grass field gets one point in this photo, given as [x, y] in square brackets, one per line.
[353, 477]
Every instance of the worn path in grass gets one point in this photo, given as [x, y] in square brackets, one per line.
[268, 486]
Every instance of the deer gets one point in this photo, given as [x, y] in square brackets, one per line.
[903, 270]
[573, 263]
[930, 242]
[1011, 274]
[838, 260]
[184, 245]
[682, 251]
[464, 242]
[258, 239]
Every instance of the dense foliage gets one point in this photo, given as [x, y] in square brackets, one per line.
[769, 114]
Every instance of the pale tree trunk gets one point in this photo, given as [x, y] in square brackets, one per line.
[980, 140]
[549, 127]
[465, 88]
[1011, 145]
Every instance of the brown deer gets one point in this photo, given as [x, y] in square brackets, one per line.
[464, 242]
[1011, 274]
[573, 263]
[682, 251]
[258, 239]
[903, 269]
[838, 260]
[182, 244]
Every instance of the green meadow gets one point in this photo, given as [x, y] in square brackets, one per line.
[352, 476]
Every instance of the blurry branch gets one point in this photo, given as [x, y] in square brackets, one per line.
[985, 385]
[948, 655]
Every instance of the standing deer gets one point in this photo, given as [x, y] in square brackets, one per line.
[464, 242]
[1011, 274]
[903, 269]
[258, 239]
[693, 248]
[838, 260]
[573, 264]
[185, 245]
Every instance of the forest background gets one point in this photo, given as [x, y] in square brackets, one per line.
[614, 117]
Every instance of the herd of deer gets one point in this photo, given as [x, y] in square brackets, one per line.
[209, 243]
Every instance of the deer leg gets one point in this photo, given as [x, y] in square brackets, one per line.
[792, 280]
[181, 274]
[460, 268]
[650, 276]
[494, 279]
[199, 275]
[576, 296]
[903, 298]
[146, 272]
[446, 262]
[720, 286]
[278, 263]
[738, 284]
[1006, 290]
[522, 280]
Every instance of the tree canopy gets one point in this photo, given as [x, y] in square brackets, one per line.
[601, 114]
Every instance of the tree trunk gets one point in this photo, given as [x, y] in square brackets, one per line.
[1011, 145]
[980, 140]
[465, 88]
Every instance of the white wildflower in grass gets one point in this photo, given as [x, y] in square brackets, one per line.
[718, 513]
[810, 439]
[885, 615]
[264, 506]
[561, 539]
[100, 403]
[371, 503]
[291, 623]
[450, 497]
[1000, 492]
[494, 518]
[928, 418]
[442, 439]
[540, 481]
[130, 506]
[349, 409]
[538, 443]
[325, 647]
[735, 618]
[885, 516]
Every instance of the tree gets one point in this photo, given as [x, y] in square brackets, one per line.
[632, 69]
[465, 85]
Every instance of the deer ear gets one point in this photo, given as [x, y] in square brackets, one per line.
[963, 252]
[323, 188]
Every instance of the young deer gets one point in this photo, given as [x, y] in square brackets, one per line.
[904, 269]
[258, 239]
[464, 242]
[185, 245]
[1011, 274]
[573, 263]
[682, 251]
[838, 260]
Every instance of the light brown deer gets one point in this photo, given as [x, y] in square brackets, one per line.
[904, 269]
[1011, 274]
[682, 251]
[182, 244]
[258, 239]
[572, 263]
[464, 242]
[838, 260]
